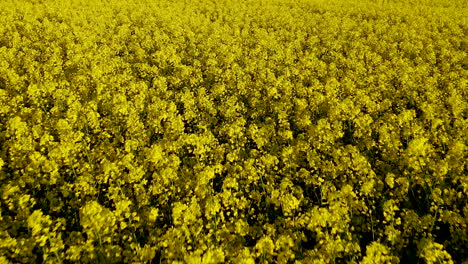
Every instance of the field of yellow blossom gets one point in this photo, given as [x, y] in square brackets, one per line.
[234, 131]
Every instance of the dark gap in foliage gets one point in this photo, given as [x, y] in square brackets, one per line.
[451, 123]
[218, 183]
[41, 199]
[348, 137]
[307, 82]
[190, 127]
[103, 110]
[222, 140]
[6, 211]
[311, 239]
[409, 254]
[208, 81]
[214, 122]
[3, 121]
[117, 141]
[66, 261]
[166, 212]
[255, 120]
[125, 170]
[419, 199]
[53, 195]
[320, 113]
[365, 239]
[124, 53]
[102, 196]
[324, 156]
[405, 143]
[378, 210]
[27, 103]
[442, 232]
[70, 71]
[155, 137]
[311, 192]
[72, 220]
[180, 108]
[383, 168]
[187, 164]
[157, 257]
[464, 66]
[412, 105]
[260, 207]
[143, 115]
[148, 179]
[229, 218]
[252, 218]
[47, 106]
[250, 145]
[272, 212]
[325, 55]
[186, 154]
[340, 260]
[8, 162]
[22, 231]
[90, 94]
[165, 207]
[460, 253]
[39, 253]
[295, 129]
[142, 236]
[395, 108]
[373, 155]
[250, 241]
[302, 161]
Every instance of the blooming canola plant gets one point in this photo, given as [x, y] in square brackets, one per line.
[246, 131]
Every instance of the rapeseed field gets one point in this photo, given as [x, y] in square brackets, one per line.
[234, 131]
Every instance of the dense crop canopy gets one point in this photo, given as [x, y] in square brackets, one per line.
[234, 131]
